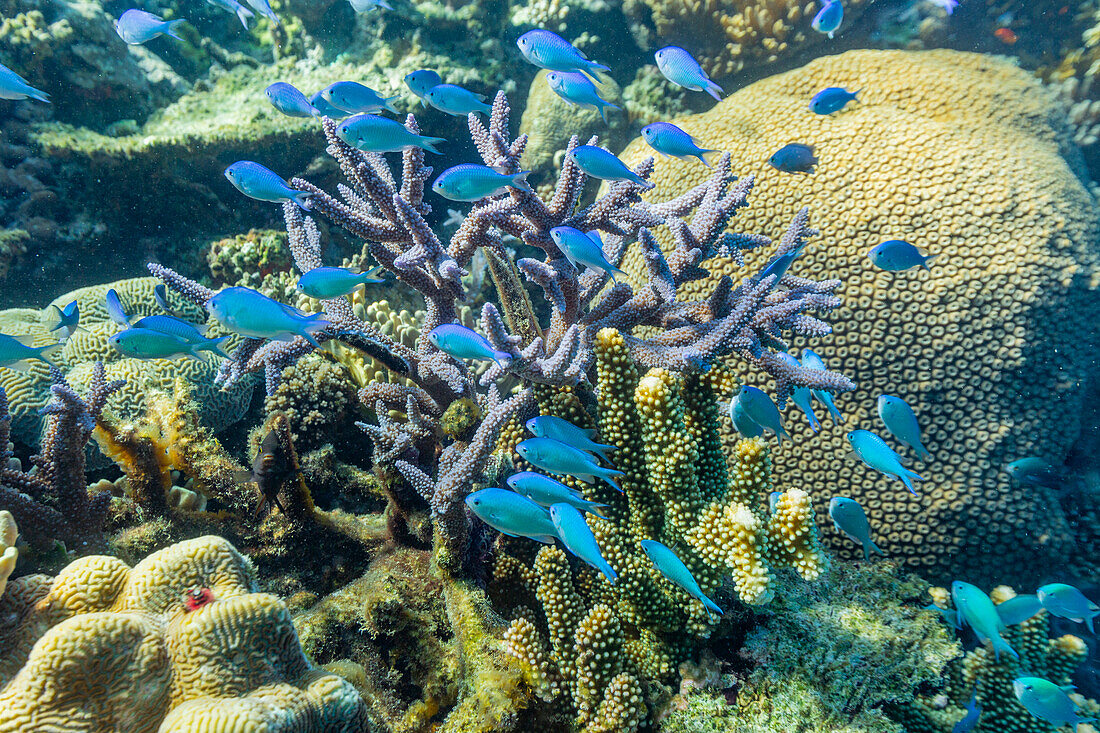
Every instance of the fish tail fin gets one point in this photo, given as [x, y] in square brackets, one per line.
[905, 479]
[594, 68]
[46, 353]
[1089, 624]
[302, 199]
[714, 90]
[609, 479]
[519, 180]
[385, 4]
[609, 572]
[874, 548]
[928, 259]
[1000, 645]
[710, 605]
[214, 346]
[923, 453]
[171, 26]
[312, 325]
[855, 94]
[815, 424]
[603, 110]
[590, 508]
[701, 155]
[387, 103]
[601, 451]
[243, 14]
[429, 143]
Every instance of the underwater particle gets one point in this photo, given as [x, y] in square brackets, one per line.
[680, 67]
[603, 164]
[673, 568]
[251, 313]
[1065, 601]
[289, 100]
[563, 431]
[470, 182]
[373, 134]
[462, 342]
[848, 517]
[421, 81]
[326, 283]
[576, 535]
[576, 88]
[974, 609]
[137, 27]
[669, 140]
[1047, 701]
[512, 514]
[264, 184]
[900, 420]
[564, 460]
[583, 249]
[232, 6]
[16, 352]
[794, 158]
[454, 100]
[546, 492]
[829, 18]
[897, 255]
[760, 408]
[13, 86]
[832, 99]
[548, 50]
[352, 98]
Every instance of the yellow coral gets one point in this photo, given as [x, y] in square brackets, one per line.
[988, 347]
[792, 536]
[8, 554]
[178, 643]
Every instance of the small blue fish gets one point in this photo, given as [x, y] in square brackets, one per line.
[949, 616]
[575, 534]
[184, 331]
[832, 99]
[829, 18]
[13, 86]
[811, 360]
[802, 396]
[232, 6]
[115, 309]
[742, 422]
[576, 88]
[421, 82]
[947, 5]
[454, 100]
[978, 612]
[761, 410]
[681, 68]
[16, 352]
[251, 313]
[470, 182]
[66, 321]
[354, 98]
[1032, 471]
[973, 714]
[794, 158]
[602, 164]
[1047, 701]
[545, 491]
[899, 419]
[668, 139]
[673, 568]
[363, 6]
[848, 517]
[263, 184]
[548, 50]
[373, 134]
[1065, 601]
[1018, 609]
[327, 110]
[137, 27]
[897, 255]
[326, 283]
[512, 514]
[143, 343]
[290, 101]
[873, 451]
[461, 342]
[263, 8]
[583, 249]
[565, 460]
[563, 431]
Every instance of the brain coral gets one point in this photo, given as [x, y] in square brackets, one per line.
[961, 154]
[178, 643]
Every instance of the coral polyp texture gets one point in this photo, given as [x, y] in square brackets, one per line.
[181, 642]
[962, 155]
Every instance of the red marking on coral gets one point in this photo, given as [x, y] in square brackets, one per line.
[196, 598]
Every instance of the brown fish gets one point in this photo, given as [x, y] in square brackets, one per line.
[271, 467]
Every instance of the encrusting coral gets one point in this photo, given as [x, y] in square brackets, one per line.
[8, 552]
[990, 348]
[181, 642]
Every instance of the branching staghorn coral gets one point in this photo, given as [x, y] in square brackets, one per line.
[52, 502]
[747, 319]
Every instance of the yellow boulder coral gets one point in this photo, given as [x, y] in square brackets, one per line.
[8, 553]
[178, 643]
[959, 154]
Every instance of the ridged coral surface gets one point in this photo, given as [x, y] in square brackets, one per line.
[960, 154]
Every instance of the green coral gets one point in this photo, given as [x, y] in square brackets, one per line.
[246, 259]
[317, 397]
